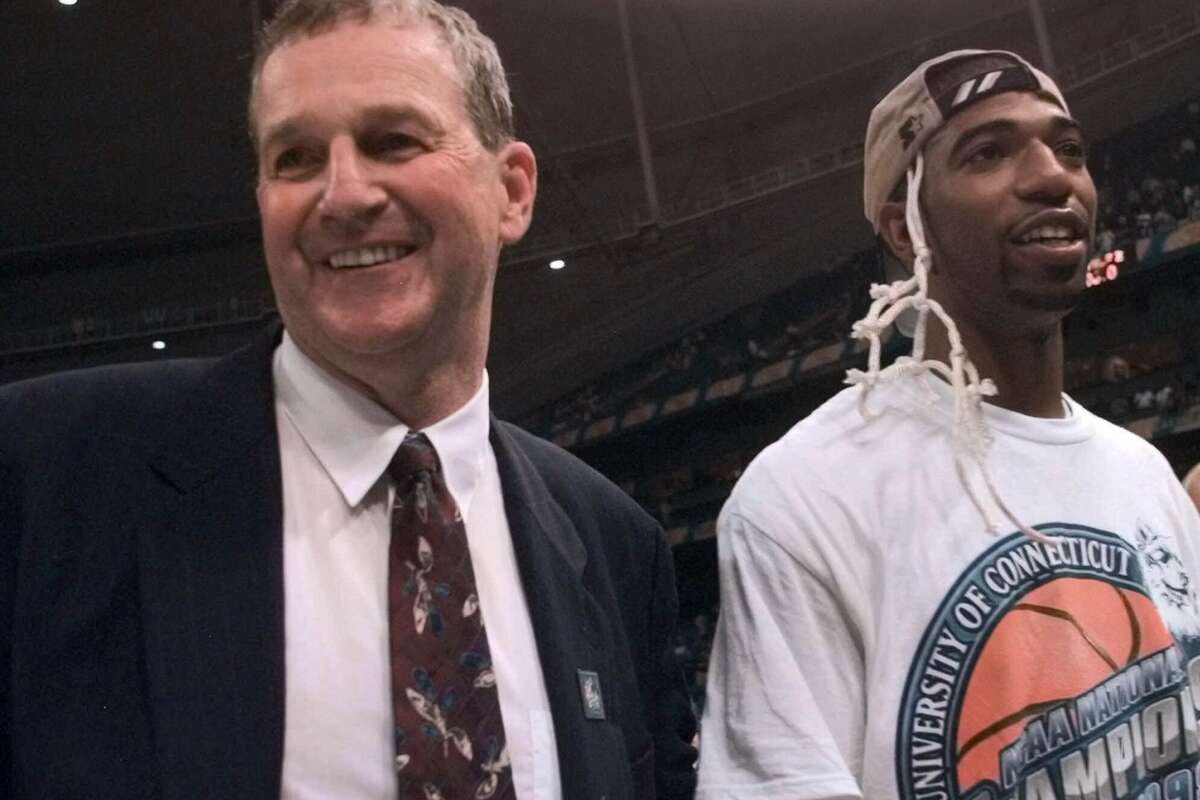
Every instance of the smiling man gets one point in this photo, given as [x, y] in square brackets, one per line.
[944, 585]
[319, 567]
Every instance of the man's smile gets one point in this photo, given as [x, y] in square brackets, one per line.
[363, 256]
[1058, 236]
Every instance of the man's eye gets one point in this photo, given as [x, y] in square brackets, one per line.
[1073, 149]
[293, 162]
[390, 144]
[984, 153]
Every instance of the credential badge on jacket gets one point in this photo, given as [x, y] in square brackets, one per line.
[589, 693]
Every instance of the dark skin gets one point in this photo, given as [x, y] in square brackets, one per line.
[1009, 209]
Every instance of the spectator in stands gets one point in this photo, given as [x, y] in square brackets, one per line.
[1118, 408]
[757, 352]
[1144, 400]
[1187, 390]
[1174, 203]
[1191, 484]
[1124, 228]
[265, 575]
[905, 574]
[1163, 221]
[1133, 201]
[693, 642]
[1189, 200]
[1165, 399]
[1187, 167]
[726, 352]
[1145, 224]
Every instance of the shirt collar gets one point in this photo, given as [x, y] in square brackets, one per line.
[354, 438]
[1076, 426]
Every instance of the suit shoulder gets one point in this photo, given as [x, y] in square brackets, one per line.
[117, 400]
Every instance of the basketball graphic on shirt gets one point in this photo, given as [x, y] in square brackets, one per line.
[1087, 623]
[1057, 672]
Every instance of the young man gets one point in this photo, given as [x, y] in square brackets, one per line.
[269, 575]
[929, 595]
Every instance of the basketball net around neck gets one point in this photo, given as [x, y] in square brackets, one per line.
[970, 437]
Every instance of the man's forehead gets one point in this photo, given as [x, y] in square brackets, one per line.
[356, 58]
[1017, 107]
[382, 38]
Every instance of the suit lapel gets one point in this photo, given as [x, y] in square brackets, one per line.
[211, 577]
[568, 623]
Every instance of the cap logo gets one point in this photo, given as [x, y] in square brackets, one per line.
[983, 85]
[909, 130]
[975, 86]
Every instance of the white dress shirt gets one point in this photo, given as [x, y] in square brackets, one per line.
[335, 445]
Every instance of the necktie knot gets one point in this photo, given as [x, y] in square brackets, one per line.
[414, 457]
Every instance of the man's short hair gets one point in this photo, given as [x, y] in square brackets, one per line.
[481, 72]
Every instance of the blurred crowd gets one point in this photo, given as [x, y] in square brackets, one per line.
[814, 312]
[693, 642]
[1148, 178]
[692, 492]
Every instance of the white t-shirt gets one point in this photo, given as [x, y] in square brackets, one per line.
[875, 641]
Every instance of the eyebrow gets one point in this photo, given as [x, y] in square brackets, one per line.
[294, 126]
[288, 128]
[1058, 123]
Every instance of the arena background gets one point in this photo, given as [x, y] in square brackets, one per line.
[700, 185]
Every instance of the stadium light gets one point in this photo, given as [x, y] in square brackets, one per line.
[557, 263]
[159, 344]
[67, 2]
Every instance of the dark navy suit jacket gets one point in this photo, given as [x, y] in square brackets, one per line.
[141, 594]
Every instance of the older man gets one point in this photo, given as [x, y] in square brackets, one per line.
[319, 568]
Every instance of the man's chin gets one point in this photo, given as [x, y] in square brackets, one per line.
[1061, 299]
[344, 346]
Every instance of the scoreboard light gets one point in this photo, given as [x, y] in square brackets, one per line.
[1105, 268]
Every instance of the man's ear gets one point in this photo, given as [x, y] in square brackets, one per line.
[518, 177]
[893, 229]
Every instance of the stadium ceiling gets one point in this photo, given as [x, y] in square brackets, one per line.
[125, 120]
[119, 111]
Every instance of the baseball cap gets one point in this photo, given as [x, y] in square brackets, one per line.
[932, 93]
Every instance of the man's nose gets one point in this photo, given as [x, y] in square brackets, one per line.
[1043, 175]
[351, 193]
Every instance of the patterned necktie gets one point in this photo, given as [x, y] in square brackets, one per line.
[449, 735]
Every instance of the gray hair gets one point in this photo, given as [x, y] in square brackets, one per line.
[481, 73]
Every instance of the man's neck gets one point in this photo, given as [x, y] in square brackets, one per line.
[1026, 368]
[427, 398]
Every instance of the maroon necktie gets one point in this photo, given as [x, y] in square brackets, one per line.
[449, 734]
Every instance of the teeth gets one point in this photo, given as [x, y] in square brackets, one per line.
[1049, 232]
[367, 256]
